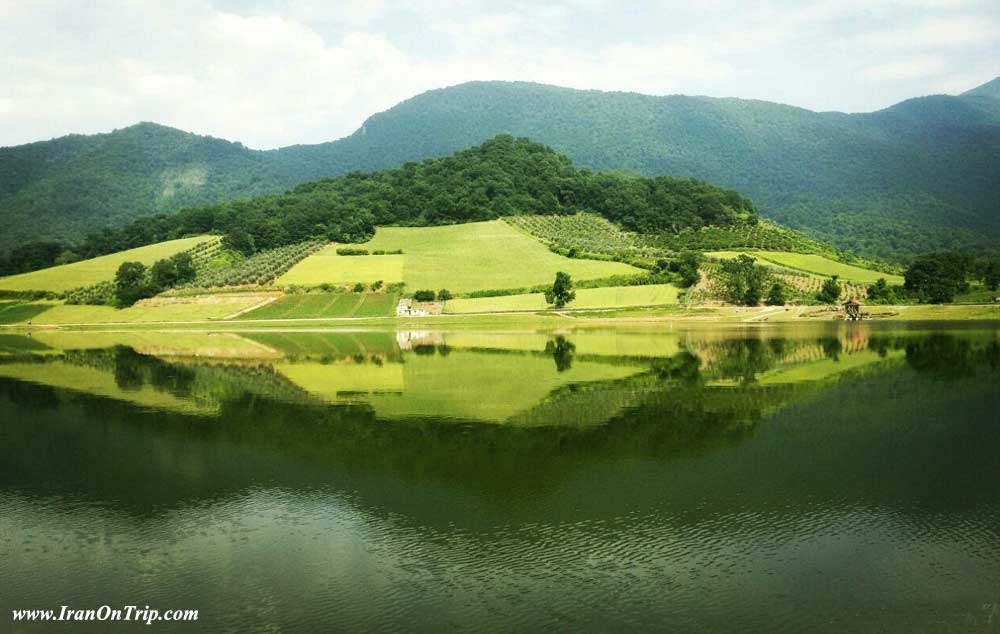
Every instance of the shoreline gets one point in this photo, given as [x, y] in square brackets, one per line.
[580, 318]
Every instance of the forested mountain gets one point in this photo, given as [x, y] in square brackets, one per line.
[68, 187]
[922, 174]
[502, 177]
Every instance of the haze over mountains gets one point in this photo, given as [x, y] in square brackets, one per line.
[920, 175]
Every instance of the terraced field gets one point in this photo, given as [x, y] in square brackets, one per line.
[461, 258]
[88, 272]
[315, 305]
[611, 296]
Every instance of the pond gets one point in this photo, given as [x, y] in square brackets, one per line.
[830, 478]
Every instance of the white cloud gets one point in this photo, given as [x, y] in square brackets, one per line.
[949, 32]
[312, 71]
[904, 69]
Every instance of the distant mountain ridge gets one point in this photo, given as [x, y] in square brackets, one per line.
[919, 175]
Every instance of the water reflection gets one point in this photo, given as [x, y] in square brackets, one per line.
[329, 481]
[489, 377]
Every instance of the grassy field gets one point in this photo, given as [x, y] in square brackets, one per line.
[87, 272]
[153, 310]
[461, 258]
[18, 312]
[326, 266]
[313, 305]
[611, 296]
[816, 264]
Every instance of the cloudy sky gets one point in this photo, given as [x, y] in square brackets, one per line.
[277, 72]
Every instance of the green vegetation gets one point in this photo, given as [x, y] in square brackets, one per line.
[911, 168]
[606, 297]
[777, 296]
[561, 292]
[260, 268]
[881, 293]
[936, 278]
[815, 264]
[829, 293]
[18, 312]
[159, 309]
[460, 258]
[89, 272]
[590, 235]
[743, 281]
[503, 176]
[317, 305]
[327, 267]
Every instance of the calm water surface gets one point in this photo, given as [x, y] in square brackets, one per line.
[837, 478]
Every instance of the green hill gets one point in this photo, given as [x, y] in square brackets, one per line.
[925, 171]
[501, 177]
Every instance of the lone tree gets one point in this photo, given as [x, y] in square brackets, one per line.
[130, 283]
[829, 293]
[561, 292]
[743, 282]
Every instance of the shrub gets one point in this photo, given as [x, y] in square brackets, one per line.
[829, 293]
[377, 284]
[881, 293]
[776, 296]
[351, 251]
[424, 296]
[444, 295]
[359, 288]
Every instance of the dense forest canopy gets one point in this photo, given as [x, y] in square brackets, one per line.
[925, 171]
[504, 176]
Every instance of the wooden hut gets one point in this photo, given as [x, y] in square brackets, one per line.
[852, 310]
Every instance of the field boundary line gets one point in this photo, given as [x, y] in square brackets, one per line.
[254, 307]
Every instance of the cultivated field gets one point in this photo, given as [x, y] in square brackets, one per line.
[816, 264]
[611, 296]
[326, 266]
[461, 258]
[87, 272]
[306, 305]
